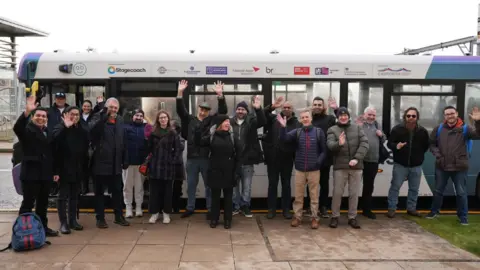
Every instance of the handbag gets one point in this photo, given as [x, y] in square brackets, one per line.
[143, 169]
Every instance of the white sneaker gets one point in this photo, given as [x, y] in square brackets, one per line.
[139, 211]
[153, 218]
[166, 218]
[129, 213]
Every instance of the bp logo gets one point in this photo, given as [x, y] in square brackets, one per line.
[111, 70]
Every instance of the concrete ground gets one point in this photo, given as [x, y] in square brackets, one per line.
[252, 243]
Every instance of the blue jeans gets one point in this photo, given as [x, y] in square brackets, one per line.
[399, 175]
[194, 168]
[242, 199]
[460, 182]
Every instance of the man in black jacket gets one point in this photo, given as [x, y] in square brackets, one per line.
[197, 156]
[408, 141]
[279, 156]
[321, 119]
[249, 152]
[108, 138]
[37, 162]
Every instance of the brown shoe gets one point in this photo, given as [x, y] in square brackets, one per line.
[296, 222]
[314, 224]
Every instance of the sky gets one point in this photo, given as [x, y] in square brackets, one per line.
[247, 26]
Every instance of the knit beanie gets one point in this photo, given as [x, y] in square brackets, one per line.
[242, 104]
[343, 110]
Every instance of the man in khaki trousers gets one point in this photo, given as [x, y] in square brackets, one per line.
[310, 154]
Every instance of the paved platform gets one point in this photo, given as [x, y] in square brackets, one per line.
[252, 243]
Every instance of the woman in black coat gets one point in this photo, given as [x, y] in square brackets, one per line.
[164, 148]
[221, 172]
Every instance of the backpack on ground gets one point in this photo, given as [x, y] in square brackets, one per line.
[27, 233]
[468, 142]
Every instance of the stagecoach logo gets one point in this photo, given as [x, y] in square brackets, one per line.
[191, 71]
[112, 70]
[246, 71]
[387, 71]
[348, 72]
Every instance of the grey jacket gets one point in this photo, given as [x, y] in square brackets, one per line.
[355, 147]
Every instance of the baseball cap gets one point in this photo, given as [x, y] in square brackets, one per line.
[205, 105]
[60, 95]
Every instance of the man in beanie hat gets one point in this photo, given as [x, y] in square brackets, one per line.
[72, 147]
[137, 153]
[197, 156]
[248, 151]
[349, 145]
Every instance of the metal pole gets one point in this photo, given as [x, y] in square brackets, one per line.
[478, 31]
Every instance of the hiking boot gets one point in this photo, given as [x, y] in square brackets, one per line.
[271, 214]
[246, 211]
[287, 214]
[227, 224]
[187, 213]
[333, 222]
[50, 233]
[324, 212]
[102, 224]
[431, 215]
[369, 214]
[75, 226]
[121, 221]
[64, 229]
[296, 222]
[353, 223]
[414, 213]
[391, 213]
[314, 224]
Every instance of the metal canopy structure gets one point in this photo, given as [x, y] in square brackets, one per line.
[465, 44]
[9, 31]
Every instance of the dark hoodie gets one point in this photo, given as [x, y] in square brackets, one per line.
[54, 116]
[272, 145]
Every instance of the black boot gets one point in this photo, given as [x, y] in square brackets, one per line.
[75, 226]
[62, 216]
[227, 224]
[213, 223]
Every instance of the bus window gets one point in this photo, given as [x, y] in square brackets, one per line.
[362, 95]
[150, 105]
[92, 92]
[430, 108]
[472, 99]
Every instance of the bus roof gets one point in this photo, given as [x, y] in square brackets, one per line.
[110, 65]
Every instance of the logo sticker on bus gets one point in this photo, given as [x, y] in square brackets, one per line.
[215, 70]
[301, 70]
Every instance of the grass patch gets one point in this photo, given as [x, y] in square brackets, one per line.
[449, 228]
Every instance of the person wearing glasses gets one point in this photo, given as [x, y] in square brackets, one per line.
[408, 141]
[71, 139]
[107, 135]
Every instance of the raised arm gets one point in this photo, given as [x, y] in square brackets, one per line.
[21, 124]
[474, 133]
[363, 145]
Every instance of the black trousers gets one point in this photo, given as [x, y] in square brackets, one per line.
[177, 195]
[324, 189]
[227, 203]
[370, 170]
[161, 192]
[35, 193]
[280, 169]
[68, 192]
[114, 184]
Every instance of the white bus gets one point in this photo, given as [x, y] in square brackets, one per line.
[388, 83]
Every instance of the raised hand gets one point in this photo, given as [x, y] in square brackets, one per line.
[475, 115]
[282, 120]
[100, 99]
[30, 105]
[332, 103]
[257, 102]
[182, 85]
[278, 102]
[56, 178]
[67, 120]
[360, 119]
[341, 138]
[218, 88]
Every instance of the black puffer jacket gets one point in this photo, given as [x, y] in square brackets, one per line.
[325, 121]
[191, 123]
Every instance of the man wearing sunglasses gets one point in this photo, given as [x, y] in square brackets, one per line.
[409, 141]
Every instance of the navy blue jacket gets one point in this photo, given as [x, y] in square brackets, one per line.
[310, 152]
[136, 143]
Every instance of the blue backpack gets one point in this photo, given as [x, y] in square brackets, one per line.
[28, 233]
[467, 141]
